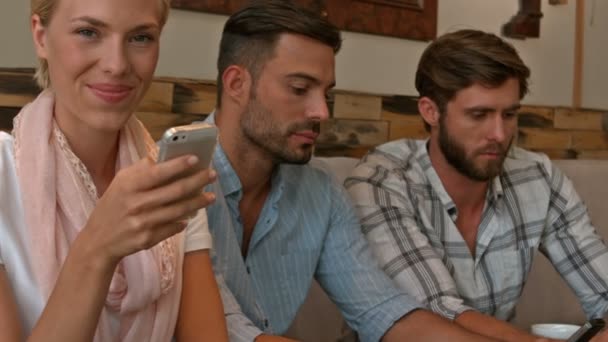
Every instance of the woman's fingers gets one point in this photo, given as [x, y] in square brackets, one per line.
[148, 202]
[183, 208]
[174, 212]
[179, 189]
[149, 229]
[146, 174]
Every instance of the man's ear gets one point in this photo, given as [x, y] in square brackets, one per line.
[237, 84]
[39, 32]
[429, 111]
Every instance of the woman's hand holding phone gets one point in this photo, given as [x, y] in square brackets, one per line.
[145, 204]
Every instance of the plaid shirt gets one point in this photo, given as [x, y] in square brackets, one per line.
[409, 219]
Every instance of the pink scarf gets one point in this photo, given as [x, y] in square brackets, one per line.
[58, 197]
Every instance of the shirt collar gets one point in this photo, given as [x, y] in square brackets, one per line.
[424, 160]
[227, 177]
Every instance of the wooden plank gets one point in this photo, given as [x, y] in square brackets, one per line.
[400, 104]
[195, 98]
[342, 151]
[589, 140]
[596, 154]
[17, 89]
[6, 117]
[158, 98]
[409, 126]
[353, 106]
[29, 71]
[534, 116]
[579, 120]
[157, 123]
[343, 132]
[535, 138]
[559, 154]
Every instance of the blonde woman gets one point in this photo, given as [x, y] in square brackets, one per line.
[95, 244]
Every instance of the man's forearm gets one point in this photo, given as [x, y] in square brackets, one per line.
[269, 338]
[427, 326]
[491, 327]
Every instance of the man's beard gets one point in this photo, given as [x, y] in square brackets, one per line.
[259, 128]
[456, 155]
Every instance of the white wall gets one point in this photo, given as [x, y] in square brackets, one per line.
[16, 48]
[595, 75]
[366, 63]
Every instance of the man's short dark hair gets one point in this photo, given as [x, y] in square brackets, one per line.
[250, 35]
[460, 59]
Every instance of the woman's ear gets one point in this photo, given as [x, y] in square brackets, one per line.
[429, 111]
[39, 35]
[237, 83]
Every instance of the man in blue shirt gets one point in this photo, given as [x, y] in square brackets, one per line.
[277, 222]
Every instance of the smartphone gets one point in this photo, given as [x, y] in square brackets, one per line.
[196, 139]
[588, 330]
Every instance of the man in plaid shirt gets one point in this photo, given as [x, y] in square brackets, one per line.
[455, 220]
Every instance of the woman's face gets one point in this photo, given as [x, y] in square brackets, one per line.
[101, 56]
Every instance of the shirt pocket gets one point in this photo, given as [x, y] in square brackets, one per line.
[509, 274]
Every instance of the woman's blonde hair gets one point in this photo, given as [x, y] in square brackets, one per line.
[44, 9]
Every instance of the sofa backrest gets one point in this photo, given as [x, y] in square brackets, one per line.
[546, 297]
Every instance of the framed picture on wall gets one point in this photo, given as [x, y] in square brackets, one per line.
[410, 19]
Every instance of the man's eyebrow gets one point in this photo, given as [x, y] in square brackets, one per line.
[479, 109]
[514, 107]
[309, 78]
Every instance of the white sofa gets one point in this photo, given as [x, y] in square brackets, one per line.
[546, 297]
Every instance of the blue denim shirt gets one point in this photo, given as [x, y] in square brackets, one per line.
[307, 229]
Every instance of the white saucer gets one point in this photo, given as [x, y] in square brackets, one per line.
[553, 330]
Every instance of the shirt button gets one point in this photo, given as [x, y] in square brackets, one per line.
[248, 270]
[266, 323]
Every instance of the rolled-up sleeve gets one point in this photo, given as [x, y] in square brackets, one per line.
[388, 221]
[240, 328]
[347, 271]
[571, 243]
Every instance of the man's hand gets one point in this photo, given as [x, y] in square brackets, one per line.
[601, 337]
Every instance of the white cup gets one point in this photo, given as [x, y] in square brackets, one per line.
[552, 330]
